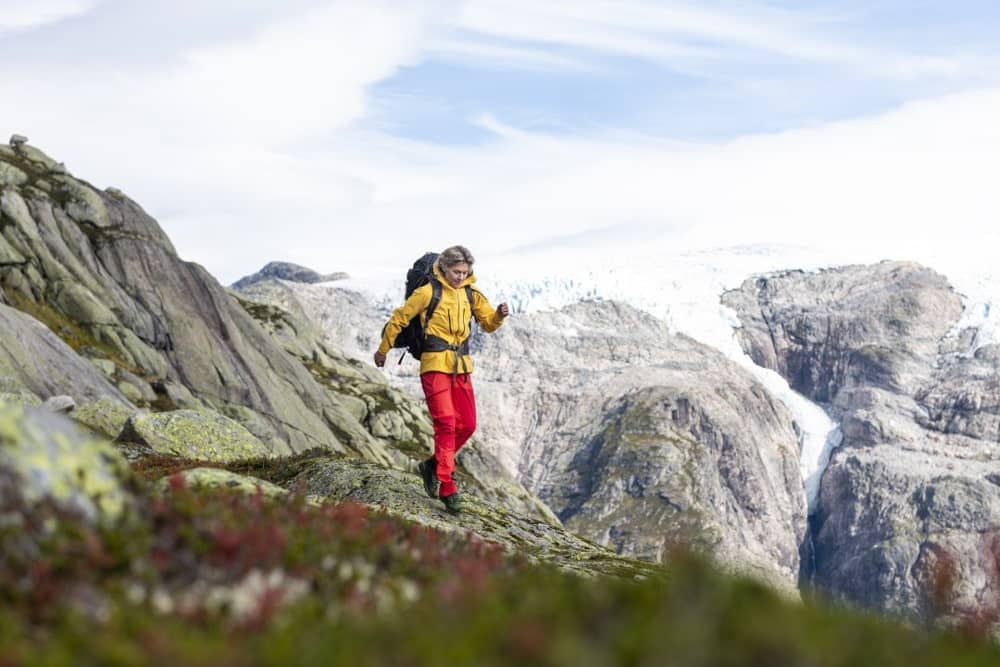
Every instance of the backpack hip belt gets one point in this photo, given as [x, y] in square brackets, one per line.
[435, 344]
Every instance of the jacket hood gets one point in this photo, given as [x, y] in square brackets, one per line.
[440, 276]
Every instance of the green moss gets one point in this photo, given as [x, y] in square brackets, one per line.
[262, 312]
[279, 470]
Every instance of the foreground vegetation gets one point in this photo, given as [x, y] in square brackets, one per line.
[215, 577]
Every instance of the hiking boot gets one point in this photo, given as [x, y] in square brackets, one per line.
[428, 472]
[453, 503]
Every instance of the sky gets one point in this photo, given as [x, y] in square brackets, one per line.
[355, 135]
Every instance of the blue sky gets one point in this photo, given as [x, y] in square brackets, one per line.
[723, 90]
[344, 135]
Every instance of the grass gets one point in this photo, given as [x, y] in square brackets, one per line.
[220, 578]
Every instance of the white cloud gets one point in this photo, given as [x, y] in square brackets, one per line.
[916, 180]
[224, 137]
[684, 35]
[29, 14]
[250, 150]
[508, 57]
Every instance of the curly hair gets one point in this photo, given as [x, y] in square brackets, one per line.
[456, 254]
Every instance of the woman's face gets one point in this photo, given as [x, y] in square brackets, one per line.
[456, 274]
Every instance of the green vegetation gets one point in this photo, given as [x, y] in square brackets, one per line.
[262, 312]
[210, 577]
[277, 470]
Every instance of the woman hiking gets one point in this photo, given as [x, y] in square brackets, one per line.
[445, 365]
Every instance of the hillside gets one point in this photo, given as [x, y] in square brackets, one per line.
[194, 476]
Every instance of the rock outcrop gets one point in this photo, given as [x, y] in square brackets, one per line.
[911, 493]
[99, 272]
[34, 361]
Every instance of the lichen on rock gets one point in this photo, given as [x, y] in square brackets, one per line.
[106, 416]
[195, 434]
[217, 478]
[53, 458]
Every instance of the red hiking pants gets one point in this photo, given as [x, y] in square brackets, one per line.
[452, 405]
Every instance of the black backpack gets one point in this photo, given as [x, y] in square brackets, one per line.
[421, 273]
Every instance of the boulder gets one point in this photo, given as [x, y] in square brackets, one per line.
[102, 275]
[61, 404]
[193, 434]
[216, 478]
[54, 459]
[105, 416]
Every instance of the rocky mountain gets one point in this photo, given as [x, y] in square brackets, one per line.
[97, 306]
[286, 271]
[637, 438]
[912, 496]
[645, 440]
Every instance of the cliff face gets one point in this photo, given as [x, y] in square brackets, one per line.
[912, 492]
[643, 440]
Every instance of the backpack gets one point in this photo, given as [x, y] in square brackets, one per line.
[412, 335]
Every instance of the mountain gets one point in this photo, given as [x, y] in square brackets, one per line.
[590, 404]
[913, 489]
[286, 271]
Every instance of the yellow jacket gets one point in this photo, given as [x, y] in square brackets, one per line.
[449, 322]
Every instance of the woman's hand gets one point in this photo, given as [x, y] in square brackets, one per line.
[503, 311]
[379, 359]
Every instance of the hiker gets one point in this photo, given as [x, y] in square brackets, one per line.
[445, 365]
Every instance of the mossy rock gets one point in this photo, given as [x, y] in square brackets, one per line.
[54, 458]
[193, 434]
[106, 416]
[217, 478]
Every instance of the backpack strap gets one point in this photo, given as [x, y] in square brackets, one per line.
[468, 295]
[435, 300]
